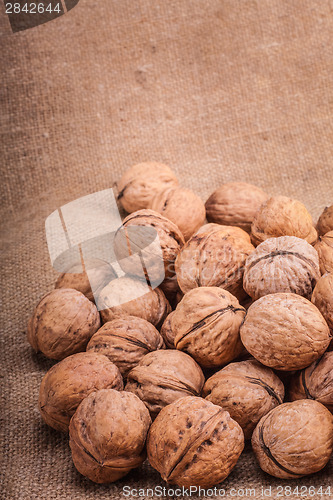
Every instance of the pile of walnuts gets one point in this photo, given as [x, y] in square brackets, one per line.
[233, 345]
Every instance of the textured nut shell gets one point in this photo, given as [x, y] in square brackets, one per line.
[67, 383]
[107, 435]
[322, 298]
[284, 264]
[235, 204]
[193, 442]
[294, 439]
[62, 323]
[214, 256]
[125, 341]
[206, 325]
[141, 182]
[150, 305]
[162, 377]
[325, 221]
[285, 331]
[167, 332]
[324, 247]
[248, 390]
[315, 382]
[282, 216]
[181, 206]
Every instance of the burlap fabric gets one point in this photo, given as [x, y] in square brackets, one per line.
[220, 90]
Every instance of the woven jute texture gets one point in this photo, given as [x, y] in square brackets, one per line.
[220, 90]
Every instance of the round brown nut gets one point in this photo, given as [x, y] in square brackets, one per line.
[282, 216]
[235, 204]
[248, 390]
[294, 439]
[315, 382]
[107, 435]
[284, 264]
[324, 247]
[116, 300]
[68, 382]
[141, 182]
[193, 442]
[181, 206]
[167, 333]
[325, 221]
[285, 331]
[206, 325]
[214, 256]
[62, 323]
[164, 376]
[125, 341]
[322, 298]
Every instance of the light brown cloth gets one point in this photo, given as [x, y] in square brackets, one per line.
[220, 90]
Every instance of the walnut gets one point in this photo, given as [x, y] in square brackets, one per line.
[282, 216]
[182, 207]
[284, 331]
[284, 264]
[107, 435]
[214, 256]
[325, 221]
[206, 325]
[294, 439]
[167, 332]
[125, 341]
[68, 382]
[324, 247]
[322, 298]
[62, 323]
[193, 442]
[315, 382]
[141, 182]
[116, 300]
[247, 390]
[164, 376]
[235, 204]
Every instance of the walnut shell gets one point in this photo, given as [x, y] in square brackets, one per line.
[181, 206]
[315, 382]
[206, 325]
[68, 382]
[63, 323]
[247, 390]
[164, 376]
[235, 204]
[325, 221]
[125, 341]
[282, 216]
[284, 264]
[167, 332]
[294, 439]
[141, 182]
[285, 331]
[322, 298]
[324, 247]
[214, 256]
[107, 435]
[115, 300]
[193, 442]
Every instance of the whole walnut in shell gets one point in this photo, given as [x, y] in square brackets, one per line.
[107, 435]
[181, 206]
[68, 382]
[282, 216]
[235, 204]
[315, 382]
[164, 376]
[141, 182]
[125, 341]
[324, 247]
[193, 442]
[128, 296]
[285, 331]
[322, 298]
[214, 256]
[206, 325]
[284, 264]
[325, 221]
[167, 332]
[294, 439]
[62, 323]
[247, 390]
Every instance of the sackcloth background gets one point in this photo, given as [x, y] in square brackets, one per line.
[220, 90]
